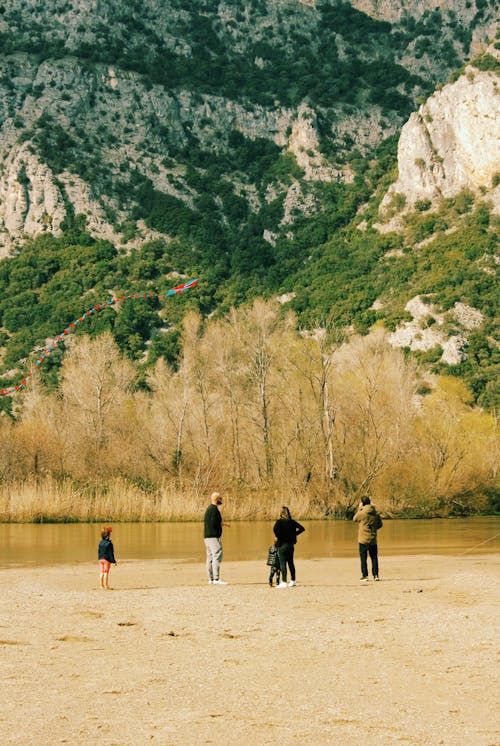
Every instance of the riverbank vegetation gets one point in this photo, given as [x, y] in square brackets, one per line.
[255, 408]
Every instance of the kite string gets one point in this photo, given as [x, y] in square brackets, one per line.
[95, 309]
[480, 544]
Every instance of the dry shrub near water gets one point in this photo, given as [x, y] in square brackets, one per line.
[35, 500]
[48, 500]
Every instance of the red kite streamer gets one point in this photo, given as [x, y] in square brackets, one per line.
[71, 327]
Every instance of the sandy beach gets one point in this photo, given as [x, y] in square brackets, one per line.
[164, 658]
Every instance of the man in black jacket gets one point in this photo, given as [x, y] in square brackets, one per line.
[212, 537]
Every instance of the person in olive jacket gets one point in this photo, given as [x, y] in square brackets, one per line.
[286, 531]
[369, 523]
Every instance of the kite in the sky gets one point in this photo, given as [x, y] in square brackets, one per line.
[99, 307]
[184, 286]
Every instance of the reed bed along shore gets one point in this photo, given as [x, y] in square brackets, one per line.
[51, 501]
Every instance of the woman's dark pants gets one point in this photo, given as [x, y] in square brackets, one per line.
[285, 553]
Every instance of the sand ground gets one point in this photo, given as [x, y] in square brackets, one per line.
[165, 659]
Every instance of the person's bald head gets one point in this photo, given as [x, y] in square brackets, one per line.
[215, 498]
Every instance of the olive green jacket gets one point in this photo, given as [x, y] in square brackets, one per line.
[369, 523]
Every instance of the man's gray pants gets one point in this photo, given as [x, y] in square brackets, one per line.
[214, 557]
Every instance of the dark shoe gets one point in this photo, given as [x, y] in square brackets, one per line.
[376, 577]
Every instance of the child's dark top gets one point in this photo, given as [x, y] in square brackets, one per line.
[287, 530]
[105, 551]
[272, 557]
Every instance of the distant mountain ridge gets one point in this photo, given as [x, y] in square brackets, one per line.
[93, 92]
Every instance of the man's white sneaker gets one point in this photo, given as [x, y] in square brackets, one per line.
[282, 585]
[292, 584]
[219, 582]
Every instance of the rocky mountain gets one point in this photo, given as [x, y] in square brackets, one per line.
[253, 144]
[453, 141]
[449, 150]
[99, 98]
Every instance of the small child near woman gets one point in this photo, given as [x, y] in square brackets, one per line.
[273, 561]
[106, 556]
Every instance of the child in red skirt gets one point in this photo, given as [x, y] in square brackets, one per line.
[106, 556]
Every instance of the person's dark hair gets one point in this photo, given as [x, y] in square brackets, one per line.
[285, 513]
[365, 500]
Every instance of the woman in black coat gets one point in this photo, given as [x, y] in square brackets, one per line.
[286, 531]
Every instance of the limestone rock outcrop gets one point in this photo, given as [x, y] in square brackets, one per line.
[30, 202]
[34, 201]
[396, 10]
[419, 334]
[452, 142]
[304, 144]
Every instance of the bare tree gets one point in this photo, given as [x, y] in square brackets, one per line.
[222, 340]
[326, 340]
[259, 334]
[456, 444]
[375, 390]
[195, 366]
[165, 421]
[95, 381]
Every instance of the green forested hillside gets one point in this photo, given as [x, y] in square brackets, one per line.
[335, 271]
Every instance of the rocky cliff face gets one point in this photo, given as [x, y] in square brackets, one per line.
[110, 123]
[304, 143]
[450, 145]
[396, 10]
[452, 142]
[417, 335]
[33, 201]
[95, 96]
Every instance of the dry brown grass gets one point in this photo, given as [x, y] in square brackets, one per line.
[50, 500]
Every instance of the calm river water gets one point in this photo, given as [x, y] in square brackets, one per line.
[48, 544]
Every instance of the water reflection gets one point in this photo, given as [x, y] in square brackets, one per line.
[27, 544]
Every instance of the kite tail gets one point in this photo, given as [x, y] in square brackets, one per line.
[9, 391]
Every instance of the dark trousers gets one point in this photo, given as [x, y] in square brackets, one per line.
[285, 553]
[364, 551]
[275, 571]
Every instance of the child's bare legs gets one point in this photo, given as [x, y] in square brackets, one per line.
[105, 566]
[104, 581]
